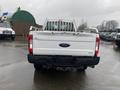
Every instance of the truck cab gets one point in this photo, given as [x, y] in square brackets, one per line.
[59, 44]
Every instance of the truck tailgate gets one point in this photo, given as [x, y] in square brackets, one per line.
[82, 44]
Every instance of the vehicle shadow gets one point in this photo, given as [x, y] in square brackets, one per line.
[59, 80]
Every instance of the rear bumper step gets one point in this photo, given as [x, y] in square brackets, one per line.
[71, 61]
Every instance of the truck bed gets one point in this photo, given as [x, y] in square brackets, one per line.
[49, 43]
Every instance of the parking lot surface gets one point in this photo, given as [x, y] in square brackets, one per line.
[17, 74]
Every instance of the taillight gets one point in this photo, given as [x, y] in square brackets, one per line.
[30, 47]
[97, 46]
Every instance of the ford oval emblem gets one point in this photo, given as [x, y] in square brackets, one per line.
[64, 45]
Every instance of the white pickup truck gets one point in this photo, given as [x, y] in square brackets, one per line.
[6, 31]
[59, 44]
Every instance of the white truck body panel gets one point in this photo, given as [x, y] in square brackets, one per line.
[2, 29]
[47, 43]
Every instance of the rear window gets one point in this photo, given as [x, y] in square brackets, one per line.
[59, 26]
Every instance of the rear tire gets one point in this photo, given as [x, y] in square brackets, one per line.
[82, 68]
[38, 67]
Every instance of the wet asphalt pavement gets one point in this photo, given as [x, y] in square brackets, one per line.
[17, 74]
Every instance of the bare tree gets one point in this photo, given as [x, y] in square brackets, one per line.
[82, 26]
[111, 25]
[108, 25]
[100, 28]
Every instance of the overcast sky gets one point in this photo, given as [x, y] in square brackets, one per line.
[92, 11]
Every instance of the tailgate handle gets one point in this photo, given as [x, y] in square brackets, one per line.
[64, 45]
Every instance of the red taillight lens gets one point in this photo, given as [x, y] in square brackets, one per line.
[97, 46]
[30, 48]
